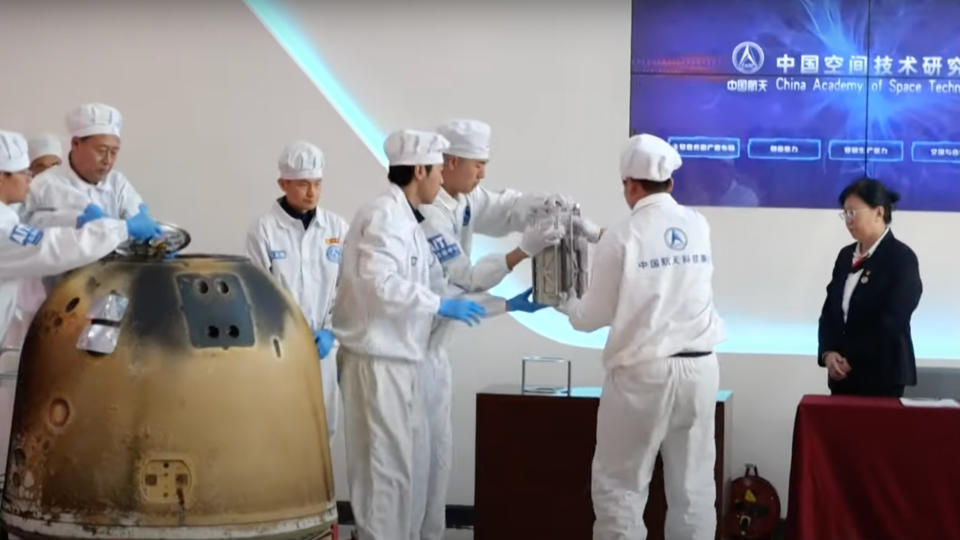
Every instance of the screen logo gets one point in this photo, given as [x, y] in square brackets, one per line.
[748, 57]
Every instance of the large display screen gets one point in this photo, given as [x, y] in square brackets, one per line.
[783, 103]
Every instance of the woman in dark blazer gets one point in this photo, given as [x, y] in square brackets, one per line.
[865, 341]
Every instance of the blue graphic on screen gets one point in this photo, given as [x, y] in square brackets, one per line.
[782, 104]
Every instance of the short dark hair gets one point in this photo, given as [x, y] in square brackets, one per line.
[651, 186]
[402, 175]
[874, 193]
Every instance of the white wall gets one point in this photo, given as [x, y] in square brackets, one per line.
[209, 98]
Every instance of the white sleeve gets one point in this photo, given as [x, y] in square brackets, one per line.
[440, 334]
[494, 305]
[53, 205]
[488, 272]
[598, 305]
[498, 213]
[54, 218]
[33, 200]
[256, 247]
[328, 319]
[380, 254]
[130, 200]
[445, 246]
[26, 251]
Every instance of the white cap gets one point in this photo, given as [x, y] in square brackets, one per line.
[468, 138]
[94, 119]
[13, 152]
[412, 147]
[648, 157]
[45, 145]
[301, 160]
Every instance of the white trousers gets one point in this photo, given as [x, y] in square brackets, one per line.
[30, 294]
[331, 393]
[433, 462]
[665, 406]
[384, 428]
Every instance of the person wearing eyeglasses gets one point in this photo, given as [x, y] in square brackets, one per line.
[864, 335]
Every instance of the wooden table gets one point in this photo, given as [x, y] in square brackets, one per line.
[533, 458]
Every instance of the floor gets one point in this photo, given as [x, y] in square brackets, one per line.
[452, 534]
[467, 534]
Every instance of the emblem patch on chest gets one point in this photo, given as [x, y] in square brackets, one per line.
[334, 253]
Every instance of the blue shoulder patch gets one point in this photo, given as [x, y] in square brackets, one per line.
[443, 249]
[26, 236]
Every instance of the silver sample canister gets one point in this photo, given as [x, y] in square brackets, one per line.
[562, 269]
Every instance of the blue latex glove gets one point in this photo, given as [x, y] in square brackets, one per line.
[324, 341]
[523, 302]
[142, 227]
[463, 310]
[91, 213]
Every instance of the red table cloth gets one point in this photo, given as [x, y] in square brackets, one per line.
[871, 468]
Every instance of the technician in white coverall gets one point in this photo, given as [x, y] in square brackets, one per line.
[60, 194]
[301, 244]
[45, 153]
[651, 283]
[85, 187]
[383, 315]
[462, 206]
[26, 251]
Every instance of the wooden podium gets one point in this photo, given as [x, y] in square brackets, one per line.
[533, 458]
